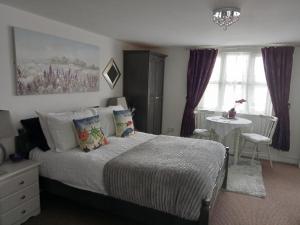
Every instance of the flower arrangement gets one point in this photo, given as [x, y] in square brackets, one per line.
[232, 113]
[241, 101]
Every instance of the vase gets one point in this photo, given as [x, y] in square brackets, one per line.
[231, 113]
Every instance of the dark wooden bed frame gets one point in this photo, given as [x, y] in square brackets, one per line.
[135, 212]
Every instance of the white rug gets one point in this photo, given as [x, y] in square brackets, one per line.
[245, 178]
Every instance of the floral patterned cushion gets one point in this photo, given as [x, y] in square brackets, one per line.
[89, 133]
[123, 123]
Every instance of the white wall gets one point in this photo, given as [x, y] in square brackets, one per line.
[175, 93]
[294, 153]
[24, 106]
[174, 89]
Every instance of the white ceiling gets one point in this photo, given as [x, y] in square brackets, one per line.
[175, 22]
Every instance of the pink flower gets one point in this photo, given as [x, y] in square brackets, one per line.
[240, 101]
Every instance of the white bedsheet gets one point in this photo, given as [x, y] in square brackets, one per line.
[85, 170]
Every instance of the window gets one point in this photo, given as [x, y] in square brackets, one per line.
[238, 75]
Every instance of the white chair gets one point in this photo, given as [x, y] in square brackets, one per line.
[263, 136]
[201, 130]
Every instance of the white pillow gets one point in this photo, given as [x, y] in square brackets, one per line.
[107, 119]
[62, 129]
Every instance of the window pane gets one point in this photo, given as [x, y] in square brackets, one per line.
[259, 99]
[236, 67]
[231, 94]
[215, 76]
[238, 75]
[259, 72]
[210, 97]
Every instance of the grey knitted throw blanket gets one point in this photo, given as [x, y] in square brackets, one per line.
[169, 174]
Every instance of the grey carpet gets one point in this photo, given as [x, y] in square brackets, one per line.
[245, 178]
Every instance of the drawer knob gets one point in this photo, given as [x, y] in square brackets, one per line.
[21, 182]
[23, 197]
[23, 211]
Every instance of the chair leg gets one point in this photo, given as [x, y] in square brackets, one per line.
[210, 135]
[243, 144]
[270, 158]
[214, 136]
[254, 152]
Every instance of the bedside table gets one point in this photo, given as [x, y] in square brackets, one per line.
[19, 192]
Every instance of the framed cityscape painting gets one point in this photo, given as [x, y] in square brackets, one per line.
[46, 64]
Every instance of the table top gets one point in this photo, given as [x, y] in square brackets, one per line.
[9, 168]
[222, 120]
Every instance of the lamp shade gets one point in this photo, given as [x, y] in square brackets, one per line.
[6, 127]
[118, 101]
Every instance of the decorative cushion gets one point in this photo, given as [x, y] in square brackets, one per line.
[62, 129]
[123, 123]
[107, 119]
[256, 138]
[35, 133]
[89, 133]
[24, 144]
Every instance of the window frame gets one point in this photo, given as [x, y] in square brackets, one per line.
[248, 85]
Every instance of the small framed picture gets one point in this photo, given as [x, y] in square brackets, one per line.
[111, 73]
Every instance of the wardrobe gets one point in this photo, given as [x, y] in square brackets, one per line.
[143, 88]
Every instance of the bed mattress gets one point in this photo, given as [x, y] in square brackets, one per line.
[85, 170]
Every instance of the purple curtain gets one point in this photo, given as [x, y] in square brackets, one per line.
[201, 64]
[278, 63]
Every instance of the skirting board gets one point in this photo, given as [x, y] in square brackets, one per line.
[275, 158]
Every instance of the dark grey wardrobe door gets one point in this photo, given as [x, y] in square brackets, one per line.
[158, 77]
[143, 88]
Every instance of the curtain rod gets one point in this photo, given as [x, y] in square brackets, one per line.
[240, 46]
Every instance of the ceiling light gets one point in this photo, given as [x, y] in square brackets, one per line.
[224, 17]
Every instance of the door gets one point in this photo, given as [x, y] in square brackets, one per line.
[151, 95]
[156, 78]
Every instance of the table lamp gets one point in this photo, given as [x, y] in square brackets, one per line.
[117, 101]
[6, 131]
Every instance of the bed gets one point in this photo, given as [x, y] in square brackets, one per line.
[79, 176]
[152, 179]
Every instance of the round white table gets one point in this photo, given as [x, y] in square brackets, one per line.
[222, 127]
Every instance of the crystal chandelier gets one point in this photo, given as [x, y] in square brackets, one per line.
[224, 17]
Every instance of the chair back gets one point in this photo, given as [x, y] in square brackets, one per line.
[200, 117]
[267, 125]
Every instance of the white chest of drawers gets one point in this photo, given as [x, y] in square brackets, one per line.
[19, 192]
